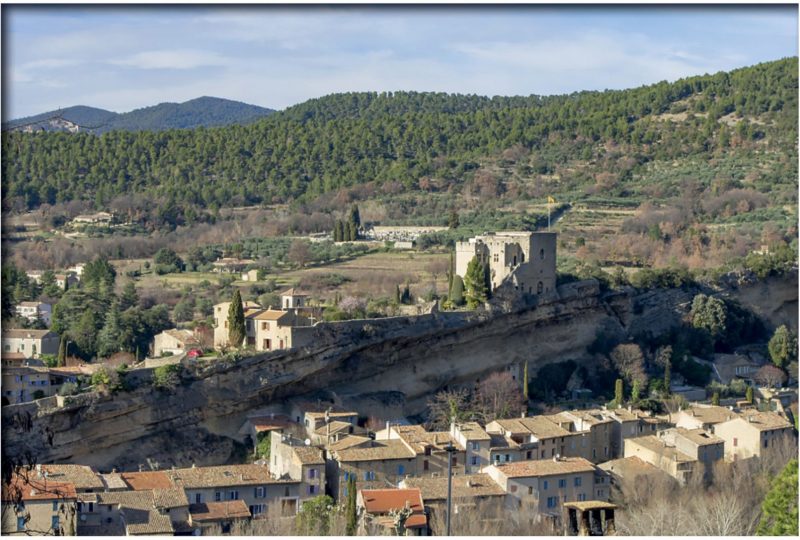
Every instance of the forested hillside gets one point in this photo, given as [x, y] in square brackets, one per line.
[407, 141]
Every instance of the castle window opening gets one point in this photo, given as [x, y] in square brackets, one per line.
[539, 288]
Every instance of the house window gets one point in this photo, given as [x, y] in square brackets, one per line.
[476, 446]
[54, 523]
[552, 502]
[539, 287]
[530, 490]
[562, 482]
[265, 344]
[233, 495]
[217, 496]
[594, 453]
[497, 458]
[455, 461]
[55, 506]
[735, 441]
[256, 509]
[281, 344]
[312, 473]
[260, 492]
[474, 460]
[542, 454]
[513, 488]
[198, 498]
[508, 458]
[401, 469]
[425, 465]
[265, 326]
[766, 443]
[577, 481]
[545, 485]
[286, 491]
[20, 523]
[581, 496]
[541, 254]
[529, 455]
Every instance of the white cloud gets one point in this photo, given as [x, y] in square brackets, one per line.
[172, 59]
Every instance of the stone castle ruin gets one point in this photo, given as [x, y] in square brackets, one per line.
[521, 261]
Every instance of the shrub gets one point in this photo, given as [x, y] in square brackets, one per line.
[167, 377]
[68, 389]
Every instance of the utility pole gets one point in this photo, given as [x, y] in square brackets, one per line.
[450, 450]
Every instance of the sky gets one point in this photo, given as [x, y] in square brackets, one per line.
[123, 58]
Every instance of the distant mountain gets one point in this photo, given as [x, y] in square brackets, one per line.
[201, 112]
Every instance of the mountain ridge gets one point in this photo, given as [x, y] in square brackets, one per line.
[203, 111]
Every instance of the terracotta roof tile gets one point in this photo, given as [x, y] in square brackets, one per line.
[81, 475]
[764, 421]
[215, 511]
[376, 451]
[170, 498]
[139, 481]
[224, 476]
[464, 486]
[545, 467]
[32, 488]
[309, 455]
[381, 501]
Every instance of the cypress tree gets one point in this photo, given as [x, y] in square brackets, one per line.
[355, 216]
[749, 394]
[62, 352]
[452, 271]
[715, 399]
[236, 324]
[352, 230]
[397, 297]
[619, 396]
[456, 293]
[337, 231]
[350, 508]
[525, 381]
[667, 376]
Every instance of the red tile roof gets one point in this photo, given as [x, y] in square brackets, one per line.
[214, 511]
[37, 489]
[381, 501]
[140, 481]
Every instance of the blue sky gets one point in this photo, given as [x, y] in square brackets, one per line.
[125, 58]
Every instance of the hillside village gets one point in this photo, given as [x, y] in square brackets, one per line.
[565, 469]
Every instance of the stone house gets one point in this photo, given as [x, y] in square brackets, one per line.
[66, 280]
[265, 329]
[636, 471]
[31, 343]
[250, 275]
[699, 444]
[158, 512]
[217, 517]
[175, 341]
[476, 443]
[27, 383]
[292, 458]
[539, 487]
[524, 261]
[47, 507]
[315, 418]
[252, 483]
[473, 493]
[628, 423]
[430, 447]
[35, 311]
[374, 507]
[656, 451]
[373, 463]
[700, 416]
[755, 434]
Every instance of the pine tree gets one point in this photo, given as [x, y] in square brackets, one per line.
[748, 395]
[619, 396]
[475, 283]
[129, 296]
[351, 508]
[236, 323]
[108, 339]
[782, 347]
[779, 516]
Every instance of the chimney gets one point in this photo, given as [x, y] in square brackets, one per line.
[524, 413]
[141, 467]
[555, 458]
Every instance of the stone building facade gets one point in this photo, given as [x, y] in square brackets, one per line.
[523, 260]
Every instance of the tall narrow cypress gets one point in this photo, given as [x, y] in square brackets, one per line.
[236, 328]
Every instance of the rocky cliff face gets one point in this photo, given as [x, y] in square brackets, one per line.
[385, 367]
